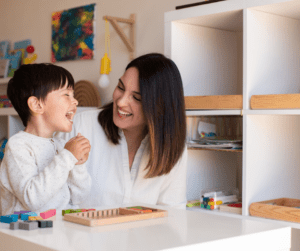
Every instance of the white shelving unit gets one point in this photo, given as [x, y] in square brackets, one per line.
[247, 48]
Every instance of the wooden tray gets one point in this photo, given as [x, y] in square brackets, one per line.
[113, 216]
[278, 209]
[275, 101]
[214, 102]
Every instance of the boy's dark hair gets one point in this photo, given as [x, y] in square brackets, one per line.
[164, 108]
[35, 80]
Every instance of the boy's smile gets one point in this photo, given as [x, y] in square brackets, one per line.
[59, 109]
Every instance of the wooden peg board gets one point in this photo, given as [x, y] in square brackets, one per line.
[113, 216]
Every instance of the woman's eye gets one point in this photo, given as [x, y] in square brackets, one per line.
[120, 88]
[137, 98]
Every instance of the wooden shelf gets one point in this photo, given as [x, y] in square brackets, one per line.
[214, 102]
[275, 101]
[4, 81]
[8, 111]
[195, 113]
[219, 150]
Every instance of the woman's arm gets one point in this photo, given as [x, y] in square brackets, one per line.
[173, 191]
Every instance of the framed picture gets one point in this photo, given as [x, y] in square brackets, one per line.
[73, 34]
[4, 63]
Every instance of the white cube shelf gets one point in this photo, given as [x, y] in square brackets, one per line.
[249, 47]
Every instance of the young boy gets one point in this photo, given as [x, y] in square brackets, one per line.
[40, 172]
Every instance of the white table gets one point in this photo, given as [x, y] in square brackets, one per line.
[181, 230]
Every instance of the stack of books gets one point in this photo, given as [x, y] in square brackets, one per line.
[216, 143]
[4, 101]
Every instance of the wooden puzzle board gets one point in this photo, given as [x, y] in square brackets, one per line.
[114, 216]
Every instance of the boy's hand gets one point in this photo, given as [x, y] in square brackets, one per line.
[83, 160]
[80, 147]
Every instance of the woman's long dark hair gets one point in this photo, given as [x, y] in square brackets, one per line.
[163, 105]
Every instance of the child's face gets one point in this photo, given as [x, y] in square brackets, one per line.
[59, 109]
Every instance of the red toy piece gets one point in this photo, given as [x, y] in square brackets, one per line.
[30, 49]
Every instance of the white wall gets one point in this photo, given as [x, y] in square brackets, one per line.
[31, 19]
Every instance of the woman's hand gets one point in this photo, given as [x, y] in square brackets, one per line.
[80, 147]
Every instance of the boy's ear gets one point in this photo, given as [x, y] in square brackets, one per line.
[36, 106]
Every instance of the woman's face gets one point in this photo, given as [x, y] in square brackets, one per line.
[127, 108]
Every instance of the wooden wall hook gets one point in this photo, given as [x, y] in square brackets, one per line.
[129, 42]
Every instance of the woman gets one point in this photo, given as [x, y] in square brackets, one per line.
[138, 152]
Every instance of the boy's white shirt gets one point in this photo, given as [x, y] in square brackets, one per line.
[113, 183]
[38, 174]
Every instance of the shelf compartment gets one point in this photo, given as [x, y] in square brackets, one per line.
[208, 51]
[214, 102]
[275, 101]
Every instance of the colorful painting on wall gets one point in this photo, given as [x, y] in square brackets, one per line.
[73, 34]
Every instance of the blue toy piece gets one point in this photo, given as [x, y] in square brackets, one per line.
[9, 218]
[26, 215]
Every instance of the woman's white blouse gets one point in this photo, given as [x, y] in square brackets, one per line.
[113, 183]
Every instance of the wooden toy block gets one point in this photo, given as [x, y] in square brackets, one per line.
[66, 211]
[42, 224]
[9, 218]
[14, 225]
[49, 223]
[47, 214]
[279, 209]
[70, 211]
[113, 216]
[33, 218]
[21, 212]
[24, 216]
[28, 225]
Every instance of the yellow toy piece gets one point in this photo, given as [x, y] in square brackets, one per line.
[30, 60]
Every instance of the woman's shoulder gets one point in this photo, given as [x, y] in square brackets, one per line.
[84, 117]
[87, 114]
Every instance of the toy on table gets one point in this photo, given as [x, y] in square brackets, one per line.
[113, 216]
[47, 214]
[71, 211]
[28, 220]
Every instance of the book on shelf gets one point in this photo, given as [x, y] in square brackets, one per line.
[216, 143]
